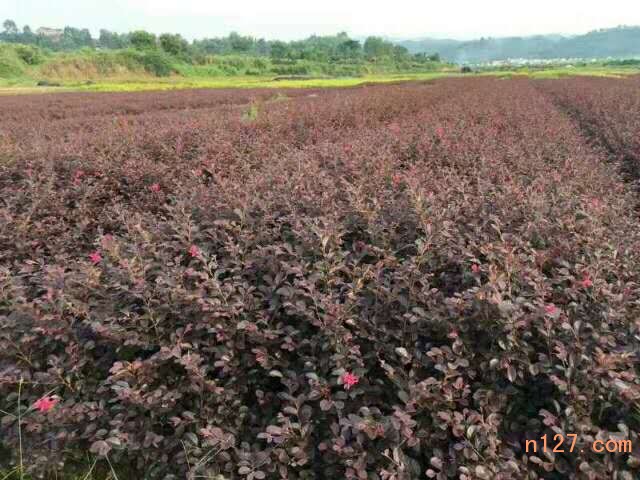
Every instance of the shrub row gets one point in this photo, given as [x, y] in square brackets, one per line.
[608, 113]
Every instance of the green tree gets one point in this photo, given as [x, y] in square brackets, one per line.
[113, 40]
[239, 43]
[28, 36]
[400, 51]
[349, 49]
[10, 27]
[142, 40]
[173, 44]
[279, 50]
[262, 47]
[213, 46]
[375, 47]
[75, 38]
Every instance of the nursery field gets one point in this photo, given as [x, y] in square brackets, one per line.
[386, 282]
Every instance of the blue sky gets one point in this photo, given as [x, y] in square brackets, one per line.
[292, 19]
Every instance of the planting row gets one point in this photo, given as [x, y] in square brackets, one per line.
[607, 111]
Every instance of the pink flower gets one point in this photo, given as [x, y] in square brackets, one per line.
[45, 404]
[440, 132]
[155, 187]
[550, 309]
[586, 281]
[475, 268]
[194, 251]
[349, 380]
[95, 257]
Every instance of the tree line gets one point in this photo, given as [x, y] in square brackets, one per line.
[313, 48]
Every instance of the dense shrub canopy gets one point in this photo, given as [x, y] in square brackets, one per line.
[389, 282]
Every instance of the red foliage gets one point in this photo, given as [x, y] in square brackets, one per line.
[607, 111]
[410, 239]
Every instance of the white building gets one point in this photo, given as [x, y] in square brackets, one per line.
[52, 33]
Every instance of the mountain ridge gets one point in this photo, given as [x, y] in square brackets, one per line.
[618, 42]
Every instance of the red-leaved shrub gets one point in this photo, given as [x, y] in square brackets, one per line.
[383, 283]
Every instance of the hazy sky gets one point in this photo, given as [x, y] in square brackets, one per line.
[292, 19]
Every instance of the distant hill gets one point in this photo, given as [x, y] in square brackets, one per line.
[620, 42]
